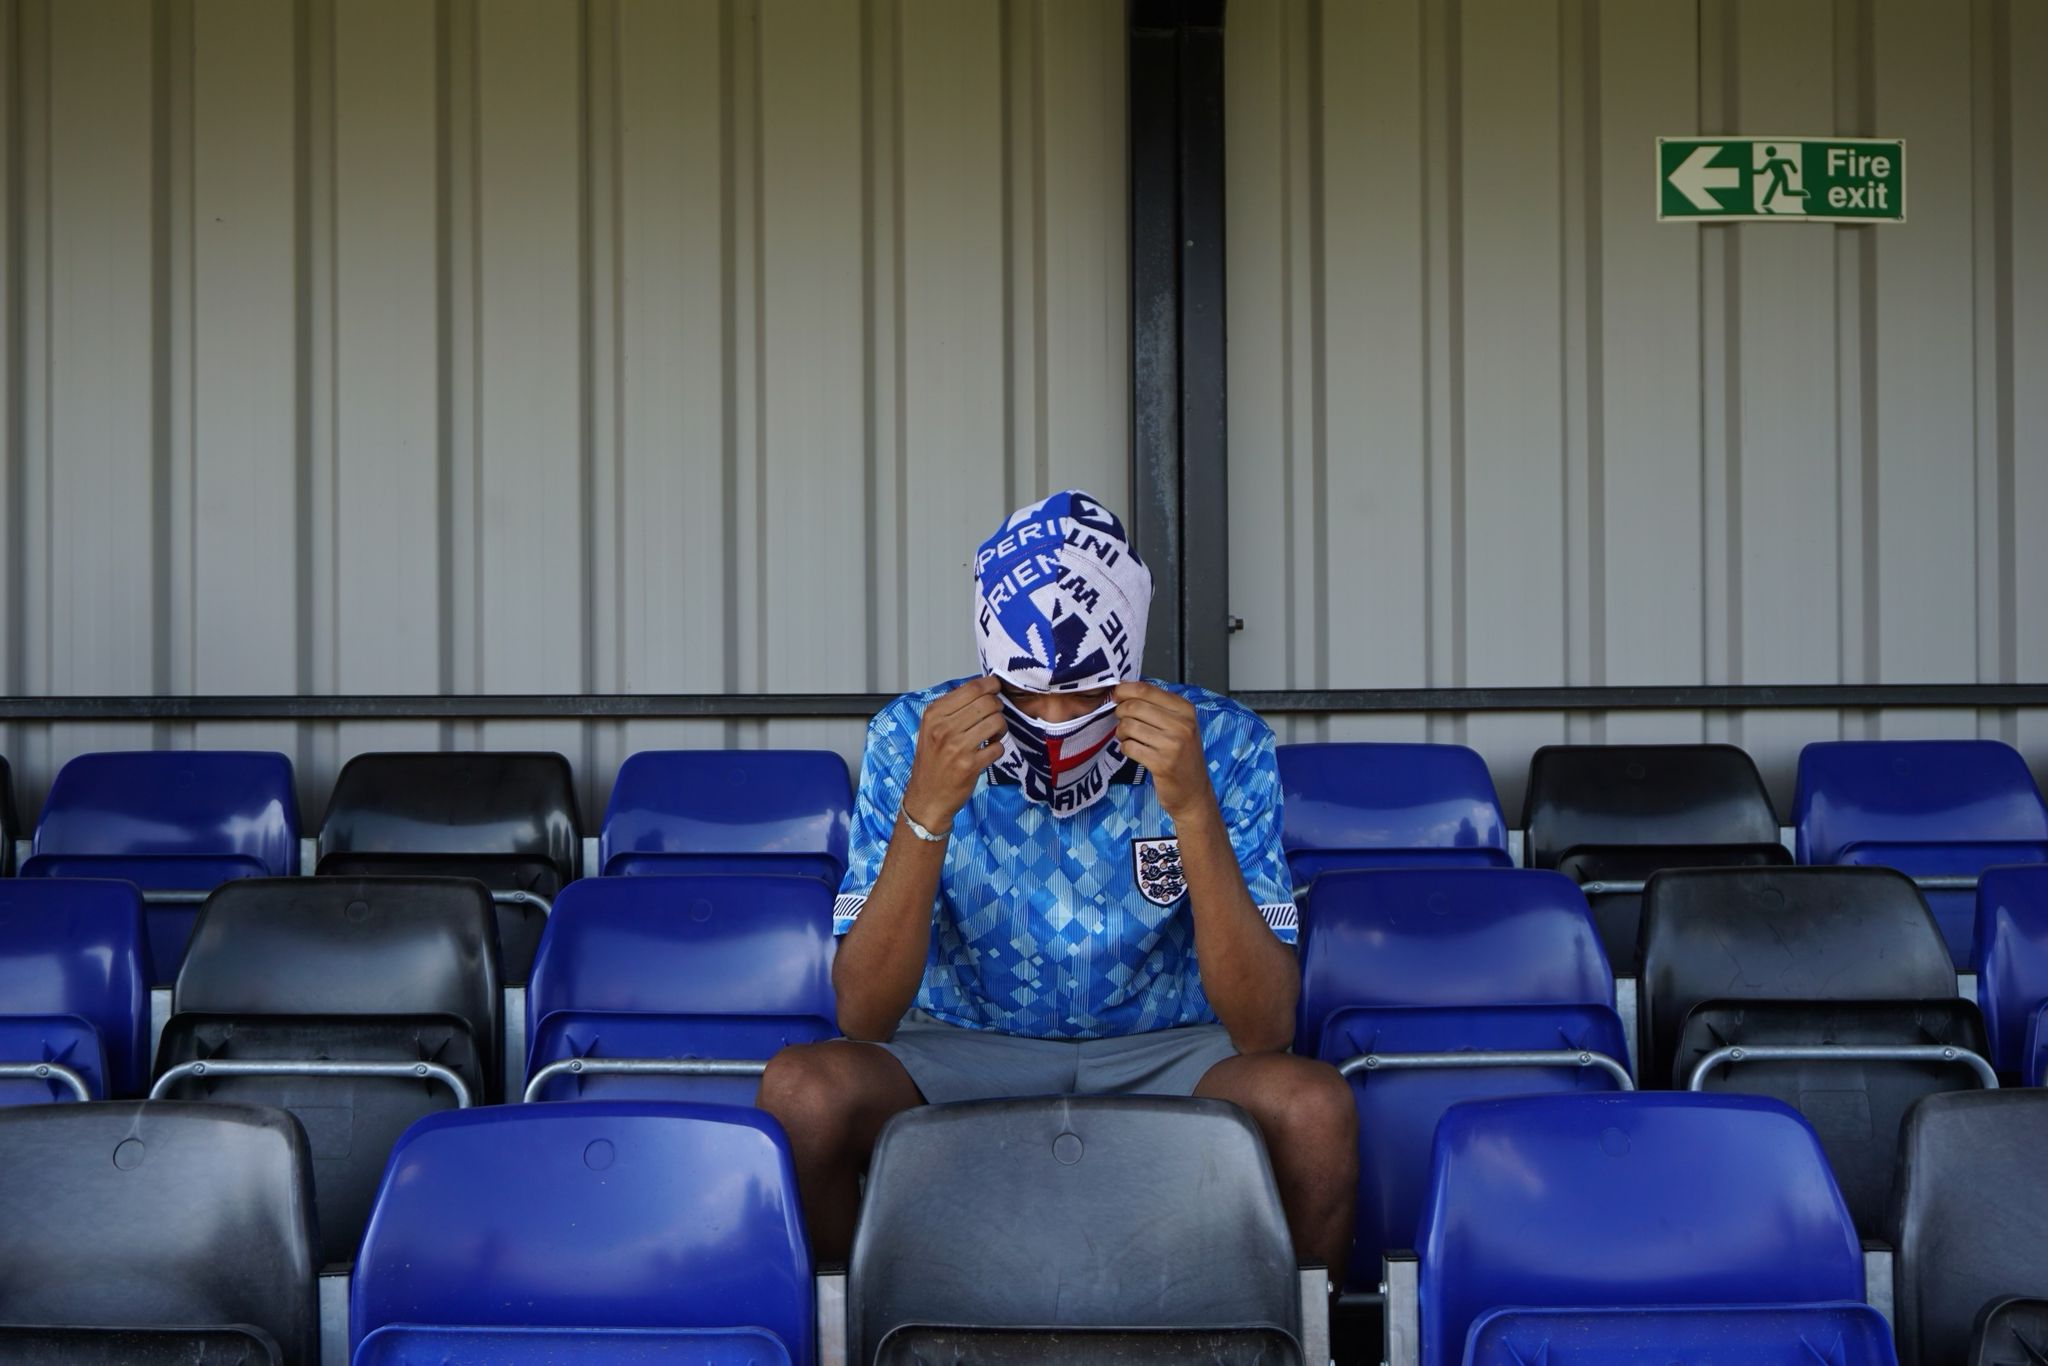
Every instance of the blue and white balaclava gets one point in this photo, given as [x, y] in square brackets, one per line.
[1060, 602]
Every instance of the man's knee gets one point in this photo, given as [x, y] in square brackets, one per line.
[1301, 1105]
[828, 1095]
[810, 1091]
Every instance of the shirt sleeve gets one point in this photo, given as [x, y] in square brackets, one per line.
[884, 773]
[1247, 780]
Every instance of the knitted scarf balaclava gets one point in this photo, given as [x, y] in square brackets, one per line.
[1060, 602]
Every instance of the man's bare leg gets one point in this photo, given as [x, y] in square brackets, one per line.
[832, 1100]
[1304, 1110]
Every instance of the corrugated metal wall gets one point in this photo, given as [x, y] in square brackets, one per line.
[370, 346]
[1492, 424]
[636, 345]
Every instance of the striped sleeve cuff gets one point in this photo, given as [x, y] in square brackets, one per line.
[846, 910]
[1282, 916]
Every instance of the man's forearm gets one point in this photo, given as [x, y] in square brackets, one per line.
[1248, 974]
[881, 960]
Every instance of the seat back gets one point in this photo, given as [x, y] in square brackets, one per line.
[1398, 1107]
[1126, 1212]
[1388, 805]
[79, 948]
[2011, 957]
[1779, 934]
[1633, 1199]
[1859, 792]
[1854, 1105]
[234, 1345]
[2011, 1332]
[685, 804]
[1583, 796]
[129, 1214]
[1968, 1208]
[495, 806]
[348, 946]
[413, 1344]
[62, 1040]
[644, 1214]
[1447, 937]
[732, 967]
[216, 805]
[1840, 1334]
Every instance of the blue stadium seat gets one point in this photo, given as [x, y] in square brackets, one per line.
[1929, 808]
[66, 1042]
[1845, 1334]
[2011, 958]
[169, 821]
[1388, 806]
[78, 948]
[590, 1217]
[711, 967]
[1405, 962]
[2034, 1052]
[1624, 1201]
[412, 1344]
[507, 819]
[729, 811]
[181, 1224]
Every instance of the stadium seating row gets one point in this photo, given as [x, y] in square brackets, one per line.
[366, 1003]
[1566, 1228]
[1606, 816]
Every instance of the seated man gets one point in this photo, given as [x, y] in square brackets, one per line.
[1076, 878]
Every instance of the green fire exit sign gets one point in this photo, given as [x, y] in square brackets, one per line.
[1761, 180]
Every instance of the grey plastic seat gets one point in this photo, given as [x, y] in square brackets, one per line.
[1131, 1228]
[166, 1219]
[1969, 1217]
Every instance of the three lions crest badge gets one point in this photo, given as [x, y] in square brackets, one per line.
[1156, 863]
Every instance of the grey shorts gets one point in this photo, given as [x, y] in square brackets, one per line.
[950, 1063]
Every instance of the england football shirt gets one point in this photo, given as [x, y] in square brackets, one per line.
[1078, 926]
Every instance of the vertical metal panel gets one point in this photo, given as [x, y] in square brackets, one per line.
[384, 346]
[1526, 433]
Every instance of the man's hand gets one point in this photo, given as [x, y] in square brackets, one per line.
[1159, 729]
[960, 735]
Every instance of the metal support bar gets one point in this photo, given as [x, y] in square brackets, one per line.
[825, 706]
[163, 897]
[643, 1067]
[1400, 1273]
[1315, 1314]
[1606, 887]
[1560, 1057]
[1947, 882]
[1846, 1052]
[310, 1067]
[1877, 1277]
[831, 1310]
[46, 1071]
[533, 899]
[1180, 510]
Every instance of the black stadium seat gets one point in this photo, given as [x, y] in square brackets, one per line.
[1144, 1228]
[1969, 1221]
[1855, 1106]
[508, 820]
[235, 1346]
[381, 971]
[1778, 934]
[2012, 1332]
[175, 1222]
[10, 823]
[1615, 814]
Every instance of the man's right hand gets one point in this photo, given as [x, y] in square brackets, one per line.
[961, 734]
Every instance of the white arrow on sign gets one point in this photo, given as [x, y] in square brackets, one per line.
[1694, 178]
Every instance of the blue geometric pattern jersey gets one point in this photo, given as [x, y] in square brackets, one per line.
[1072, 927]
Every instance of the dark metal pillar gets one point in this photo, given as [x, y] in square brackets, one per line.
[1180, 490]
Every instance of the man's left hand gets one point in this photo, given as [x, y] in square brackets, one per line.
[1160, 730]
